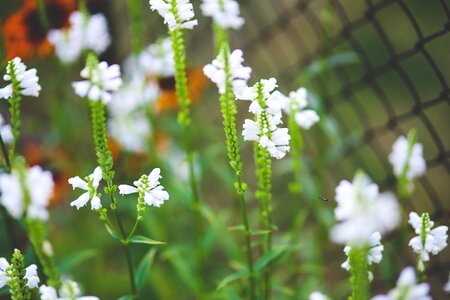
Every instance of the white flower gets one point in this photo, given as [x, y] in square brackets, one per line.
[84, 33]
[39, 186]
[184, 9]
[317, 296]
[224, 12]
[28, 79]
[407, 289]
[69, 291]
[154, 193]
[3, 276]
[5, 131]
[446, 286]
[31, 276]
[374, 255]
[428, 241]
[295, 103]
[362, 210]
[410, 156]
[137, 123]
[90, 185]
[239, 74]
[101, 82]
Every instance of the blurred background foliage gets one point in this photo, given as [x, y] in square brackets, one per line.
[374, 69]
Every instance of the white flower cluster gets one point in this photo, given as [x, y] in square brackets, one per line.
[5, 131]
[30, 274]
[149, 186]
[362, 210]
[374, 255]
[407, 289]
[428, 241]
[239, 73]
[100, 82]
[224, 12]
[84, 33]
[265, 129]
[38, 185]
[28, 79]
[179, 16]
[68, 291]
[407, 156]
[317, 296]
[296, 103]
[90, 185]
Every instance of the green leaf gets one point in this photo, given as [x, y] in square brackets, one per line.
[126, 297]
[144, 268]
[140, 239]
[112, 232]
[76, 259]
[236, 228]
[231, 278]
[260, 232]
[269, 257]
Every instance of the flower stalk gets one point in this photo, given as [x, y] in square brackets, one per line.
[359, 270]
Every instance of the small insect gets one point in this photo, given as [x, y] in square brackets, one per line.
[323, 198]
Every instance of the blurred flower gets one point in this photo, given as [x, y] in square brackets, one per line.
[182, 8]
[446, 286]
[84, 33]
[90, 185]
[407, 289]
[31, 276]
[362, 210]
[3, 271]
[429, 241]
[136, 123]
[24, 33]
[148, 186]
[317, 296]
[27, 79]
[295, 103]
[38, 184]
[239, 74]
[101, 81]
[374, 255]
[5, 131]
[264, 129]
[409, 156]
[68, 291]
[224, 12]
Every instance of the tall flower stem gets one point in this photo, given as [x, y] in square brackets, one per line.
[14, 110]
[296, 150]
[359, 274]
[135, 13]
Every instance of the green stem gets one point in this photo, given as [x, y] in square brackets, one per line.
[296, 149]
[135, 13]
[359, 274]
[43, 14]
[14, 109]
[5, 155]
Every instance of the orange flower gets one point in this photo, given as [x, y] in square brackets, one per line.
[26, 36]
[168, 100]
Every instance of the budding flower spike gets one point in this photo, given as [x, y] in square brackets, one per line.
[239, 73]
[225, 13]
[407, 289]
[85, 32]
[362, 210]
[176, 13]
[101, 81]
[34, 183]
[429, 241]
[148, 188]
[296, 104]
[90, 185]
[23, 81]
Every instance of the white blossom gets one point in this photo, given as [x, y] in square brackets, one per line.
[68, 291]
[296, 103]
[446, 286]
[90, 185]
[317, 296]
[184, 13]
[39, 186]
[149, 186]
[374, 255]
[6, 131]
[224, 12]
[120, 128]
[407, 289]
[409, 156]
[31, 276]
[239, 74]
[84, 33]
[428, 241]
[28, 79]
[101, 82]
[362, 210]
[3, 276]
